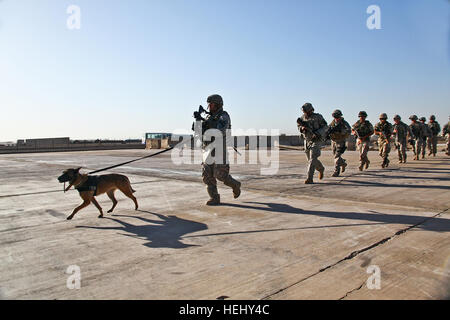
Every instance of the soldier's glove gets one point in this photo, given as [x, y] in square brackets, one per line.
[197, 115]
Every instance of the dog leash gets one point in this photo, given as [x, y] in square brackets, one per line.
[121, 164]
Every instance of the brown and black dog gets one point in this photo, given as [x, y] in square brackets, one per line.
[91, 186]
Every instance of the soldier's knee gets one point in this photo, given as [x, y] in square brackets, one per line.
[222, 172]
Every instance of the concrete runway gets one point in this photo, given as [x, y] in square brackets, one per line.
[281, 239]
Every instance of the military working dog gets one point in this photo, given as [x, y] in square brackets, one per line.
[91, 186]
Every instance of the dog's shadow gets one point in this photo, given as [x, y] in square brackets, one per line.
[164, 233]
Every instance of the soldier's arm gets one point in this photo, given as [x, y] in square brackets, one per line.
[323, 127]
[224, 122]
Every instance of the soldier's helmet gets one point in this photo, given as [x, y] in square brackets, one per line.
[215, 98]
[362, 114]
[423, 119]
[383, 116]
[433, 117]
[336, 113]
[307, 107]
[413, 117]
[397, 117]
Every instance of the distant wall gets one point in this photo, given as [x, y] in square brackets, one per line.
[65, 145]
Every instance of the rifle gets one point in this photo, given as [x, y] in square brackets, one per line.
[332, 130]
[205, 125]
[304, 124]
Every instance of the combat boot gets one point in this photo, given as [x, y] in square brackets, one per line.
[344, 165]
[309, 181]
[367, 164]
[214, 196]
[236, 185]
[361, 167]
[321, 174]
[400, 161]
[335, 173]
[386, 164]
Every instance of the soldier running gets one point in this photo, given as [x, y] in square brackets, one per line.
[446, 131]
[426, 136]
[383, 130]
[313, 128]
[417, 130]
[401, 132]
[435, 128]
[339, 130]
[363, 130]
[217, 168]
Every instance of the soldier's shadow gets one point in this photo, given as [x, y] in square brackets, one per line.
[425, 223]
[164, 233]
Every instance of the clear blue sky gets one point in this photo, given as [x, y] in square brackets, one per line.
[144, 66]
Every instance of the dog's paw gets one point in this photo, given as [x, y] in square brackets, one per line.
[100, 216]
[109, 211]
[69, 217]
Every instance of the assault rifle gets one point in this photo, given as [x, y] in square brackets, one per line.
[205, 124]
[303, 124]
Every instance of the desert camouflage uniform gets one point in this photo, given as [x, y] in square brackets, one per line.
[338, 139]
[363, 131]
[417, 134]
[446, 131]
[401, 132]
[435, 128]
[314, 138]
[384, 132]
[425, 138]
[213, 171]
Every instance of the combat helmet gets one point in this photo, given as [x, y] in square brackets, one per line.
[433, 117]
[383, 116]
[307, 107]
[397, 117]
[413, 117]
[362, 114]
[336, 113]
[215, 98]
[423, 119]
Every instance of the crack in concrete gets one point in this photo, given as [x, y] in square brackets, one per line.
[351, 291]
[356, 253]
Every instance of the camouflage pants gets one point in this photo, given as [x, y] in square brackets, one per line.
[211, 172]
[363, 147]
[385, 147]
[338, 151]
[448, 144]
[419, 144]
[423, 146]
[401, 149]
[312, 150]
[432, 144]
